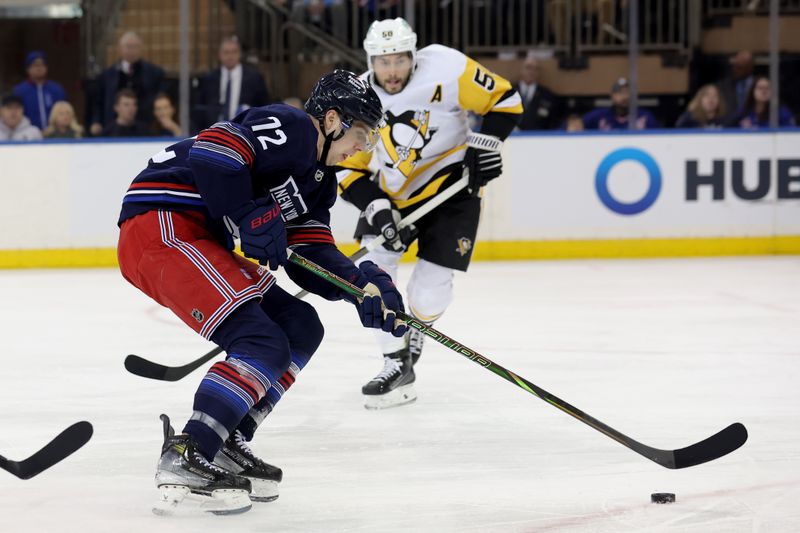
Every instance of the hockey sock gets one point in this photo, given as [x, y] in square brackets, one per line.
[259, 412]
[228, 391]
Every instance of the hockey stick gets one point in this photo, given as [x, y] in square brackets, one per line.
[420, 212]
[148, 369]
[714, 447]
[64, 445]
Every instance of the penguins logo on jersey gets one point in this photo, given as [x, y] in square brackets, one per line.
[405, 136]
[464, 246]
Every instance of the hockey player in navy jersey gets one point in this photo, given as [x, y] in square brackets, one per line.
[265, 178]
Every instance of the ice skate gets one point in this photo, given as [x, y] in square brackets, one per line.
[188, 482]
[394, 385]
[237, 457]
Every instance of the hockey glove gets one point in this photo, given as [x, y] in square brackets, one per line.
[482, 160]
[383, 217]
[262, 233]
[378, 310]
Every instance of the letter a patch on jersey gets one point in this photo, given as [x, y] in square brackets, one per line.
[437, 94]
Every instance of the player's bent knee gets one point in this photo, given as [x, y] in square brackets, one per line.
[306, 332]
[251, 335]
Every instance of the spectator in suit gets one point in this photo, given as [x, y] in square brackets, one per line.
[126, 124]
[62, 123]
[540, 105]
[14, 125]
[38, 94]
[706, 110]
[737, 84]
[229, 89]
[755, 113]
[616, 117]
[131, 72]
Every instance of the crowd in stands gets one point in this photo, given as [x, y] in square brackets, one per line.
[740, 100]
[130, 99]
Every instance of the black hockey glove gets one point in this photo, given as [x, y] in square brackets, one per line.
[383, 217]
[483, 166]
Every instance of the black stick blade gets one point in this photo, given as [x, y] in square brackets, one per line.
[714, 447]
[65, 444]
[146, 369]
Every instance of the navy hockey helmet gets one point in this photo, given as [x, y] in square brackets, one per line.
[353, 98]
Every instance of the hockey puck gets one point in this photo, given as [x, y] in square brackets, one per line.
[662, 497]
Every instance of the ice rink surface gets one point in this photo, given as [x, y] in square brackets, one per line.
[666, 351]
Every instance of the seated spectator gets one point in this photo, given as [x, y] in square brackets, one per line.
[574, 123]
[38, 94]
[706, 110]
[14, 125]
[230, 89]
[540, 105]
[755, 113]
[62, 123]
[125, 125]
[130, 72]
[616, 116]
[294, 102]
[164, 113]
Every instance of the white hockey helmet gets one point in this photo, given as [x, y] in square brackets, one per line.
[390, 36]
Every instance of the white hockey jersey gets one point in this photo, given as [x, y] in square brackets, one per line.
[426, 125]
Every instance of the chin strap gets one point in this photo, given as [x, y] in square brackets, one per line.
[329, 138]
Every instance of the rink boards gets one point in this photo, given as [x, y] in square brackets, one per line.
[663, 193]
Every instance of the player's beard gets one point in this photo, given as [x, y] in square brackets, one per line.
[402, 84]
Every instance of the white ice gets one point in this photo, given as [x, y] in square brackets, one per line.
[666, 351]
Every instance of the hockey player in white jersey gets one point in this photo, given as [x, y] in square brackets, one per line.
[425, 147]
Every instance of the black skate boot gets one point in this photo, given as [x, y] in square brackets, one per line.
[394, 385]
[237, 457]
[415, 341]
[183, 471]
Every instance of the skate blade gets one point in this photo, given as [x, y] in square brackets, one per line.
[180, 500]
[400, 396]
[264, 490]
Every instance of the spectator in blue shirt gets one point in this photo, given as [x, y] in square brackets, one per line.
[616, 116]
[38, 94]
[755, 113]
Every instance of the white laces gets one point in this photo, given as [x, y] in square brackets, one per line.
[199, 457]
[242, 443]
[390, 367]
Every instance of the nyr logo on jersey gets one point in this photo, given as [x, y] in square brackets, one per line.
[289, 199]
[405, 136]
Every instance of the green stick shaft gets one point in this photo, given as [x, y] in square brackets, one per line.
[715, 446]
[469, 353]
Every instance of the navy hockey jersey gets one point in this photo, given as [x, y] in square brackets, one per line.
[270, 150]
